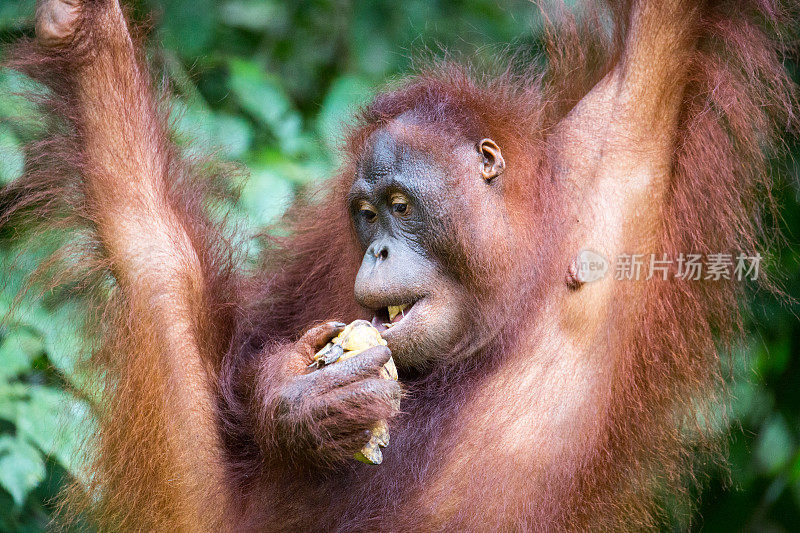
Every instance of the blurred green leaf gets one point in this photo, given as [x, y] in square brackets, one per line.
[191, 123]
[10, 396]
[13, 105]
[775, 445]
[11, 158]
[233, 134]
[795, 470]
[298, 173]
[188, 24]
[21, 467]
[772, 359]
[263, 97]
[19, 348]
[15, 14]
[343, 99]
[254, 15]
[65, 347]
[203, 131]
[56, 422]
[266, 195]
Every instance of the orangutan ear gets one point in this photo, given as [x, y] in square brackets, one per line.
[493, 163]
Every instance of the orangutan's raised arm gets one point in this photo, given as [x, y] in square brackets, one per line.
[148, 232]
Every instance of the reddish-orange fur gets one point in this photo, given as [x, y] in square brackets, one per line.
[651, 416]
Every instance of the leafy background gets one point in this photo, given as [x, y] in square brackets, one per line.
[269, 84]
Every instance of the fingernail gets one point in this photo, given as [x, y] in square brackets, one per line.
[337, 324]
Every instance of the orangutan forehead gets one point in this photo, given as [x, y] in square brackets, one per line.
[390, 151]
[382, 156]
[404, 139]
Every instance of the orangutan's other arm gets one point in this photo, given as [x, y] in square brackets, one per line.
[129, 167]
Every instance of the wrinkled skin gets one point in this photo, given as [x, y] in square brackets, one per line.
[326, 414]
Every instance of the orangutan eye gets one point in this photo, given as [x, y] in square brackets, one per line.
[368, 214]
[367, 211]
[400, 204]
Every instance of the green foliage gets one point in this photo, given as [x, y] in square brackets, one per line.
[269, 84]
[21, 467]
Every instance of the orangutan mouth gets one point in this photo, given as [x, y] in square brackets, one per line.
[389, 316]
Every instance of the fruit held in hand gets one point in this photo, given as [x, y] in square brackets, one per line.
[354, 339]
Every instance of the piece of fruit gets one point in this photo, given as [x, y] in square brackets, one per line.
[354, 339]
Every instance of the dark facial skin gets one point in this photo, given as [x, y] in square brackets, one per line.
[400, 202]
